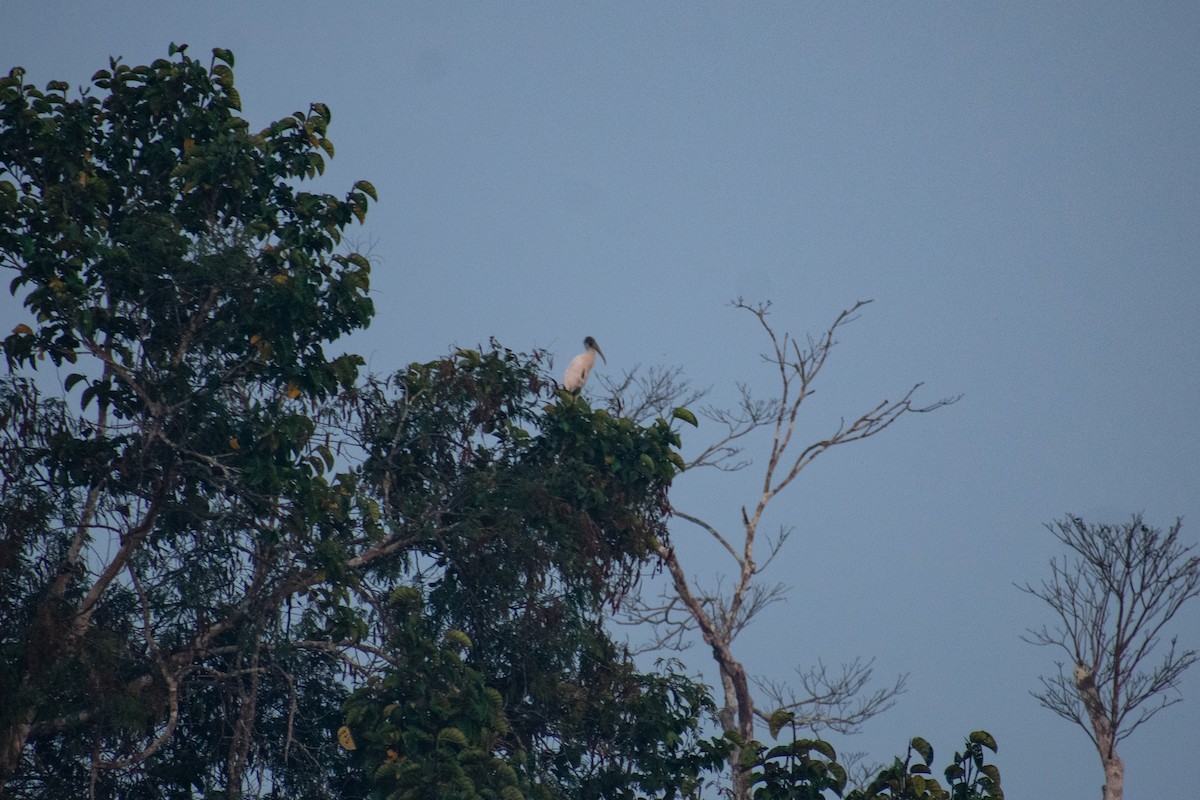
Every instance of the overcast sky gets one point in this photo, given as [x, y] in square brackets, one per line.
[1015, 185]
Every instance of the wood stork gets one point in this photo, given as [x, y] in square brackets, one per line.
[581, 366]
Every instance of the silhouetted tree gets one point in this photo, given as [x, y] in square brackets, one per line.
[1113, 598]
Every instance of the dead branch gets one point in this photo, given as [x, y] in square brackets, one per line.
[832, 699]
[643, 394]
[827, 699]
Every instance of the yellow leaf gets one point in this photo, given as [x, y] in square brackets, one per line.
[280, 279]
[188, 144]
[346, 739]
[293, 391]
[255, 339]
[234, 444]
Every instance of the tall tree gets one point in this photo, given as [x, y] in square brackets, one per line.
[1113, 601]
[206, 522]
[531, 520]
[825, 698]
[162, 510]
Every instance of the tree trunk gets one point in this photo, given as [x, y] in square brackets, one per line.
[1114, 768]
[13, 745]
[738, 712]
[1114, 777]
[736, 715]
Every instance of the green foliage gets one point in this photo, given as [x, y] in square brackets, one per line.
[968, 777]
[157, 515]
[430, 727]
[526, 519]
[804, 769]
[807, 769]
[159, 197]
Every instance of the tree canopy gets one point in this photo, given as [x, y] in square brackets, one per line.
[230, 565]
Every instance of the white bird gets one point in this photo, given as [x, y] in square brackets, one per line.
[581, 366]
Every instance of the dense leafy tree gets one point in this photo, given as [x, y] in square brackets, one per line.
[159, 513]
[190, 590]
[525, 520]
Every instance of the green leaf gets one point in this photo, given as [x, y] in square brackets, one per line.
[840, 777]
[367, 188]
[923, 748]
[823, 747]
[984, 738]
[458, 639]
[452, 736]
[685, 415]
[779, 718]
[223, 75]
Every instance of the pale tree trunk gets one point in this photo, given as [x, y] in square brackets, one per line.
[1114, 777]
[738, 712]
[1114, 768]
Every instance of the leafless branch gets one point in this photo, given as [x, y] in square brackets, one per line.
[828, 699]
[644, 393]
[710, 530]
[832, 699]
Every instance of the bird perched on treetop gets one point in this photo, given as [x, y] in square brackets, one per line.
[581, 366]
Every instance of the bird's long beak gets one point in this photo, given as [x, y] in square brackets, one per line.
[601, 352]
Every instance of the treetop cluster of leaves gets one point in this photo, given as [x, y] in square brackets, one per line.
[220, 546]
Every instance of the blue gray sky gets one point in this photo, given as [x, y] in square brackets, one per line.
[1016, 186]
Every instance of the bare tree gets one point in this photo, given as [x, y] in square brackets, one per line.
[1113, 601]
[833, 699]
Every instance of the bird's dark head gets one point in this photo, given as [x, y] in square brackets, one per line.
[590, 344]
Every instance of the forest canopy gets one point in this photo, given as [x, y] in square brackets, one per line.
[234, 565]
